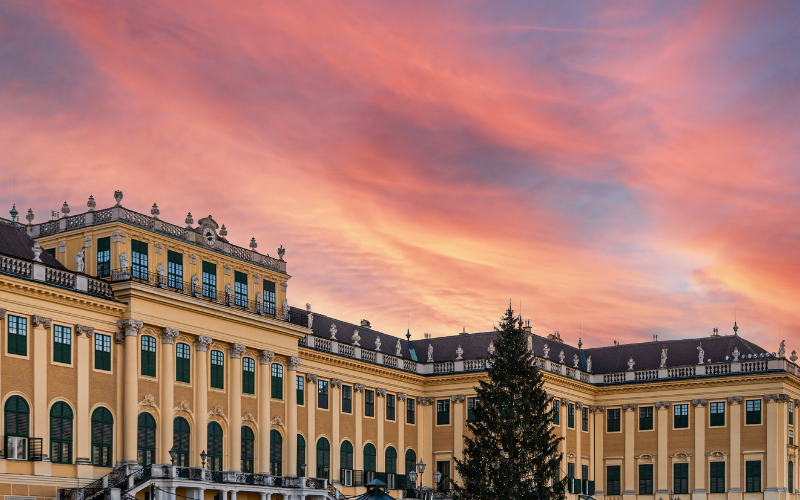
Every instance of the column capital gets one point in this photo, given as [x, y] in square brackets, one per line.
[41, 321]
[457, 398]
[131, 327]
[202, 343]
[662, 405]
[358, 387]
[402, 396]
[629, 406]
[237, 350]
[265, 357]
[735, 399]
[564, 401]
[312, 378]
[335, 382]
[579, 405]
[424, 401]
[168, 335]
[81, 329]
[698, 402]
[776, 397]
[293, 362]
[380, 392]
[597, 409]
[2, 314]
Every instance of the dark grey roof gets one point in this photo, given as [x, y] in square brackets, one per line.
[14, 242]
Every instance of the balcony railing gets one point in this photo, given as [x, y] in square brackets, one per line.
[64, 279]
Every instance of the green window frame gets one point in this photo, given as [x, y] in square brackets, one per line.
[139, 263]
[681, 416]
[571, 416]
[217, 370]
[390, 407]
[183, 363]
[51, 251]
[613, 420]
[146, 440]
[585, 419]
[791, 412]
[680, 475]
[102, 438]
[411, 411]
[62, 344]
[301, 454]
[645, 479]
[104, 257]
[181, 441]
[752, 474]
[369, 403]
[276, 453]
[323, 458]
[209, 280]
[300, 387]
[411, 460]
[269, 297]
[102, 352]
[322, 394]
[790, 471]
[248, 376]
[717, 414]
[556, 412]
[347, 399]
[645, 418]
[61, 417]
[277, 381]
[346, 455]
[571, 478]
[791, 436]
[613, 486]
[753, 412]
[240, 288]
[175, 270]
[717, 476]
[215, 439]
[248, 449]
[370, 458]
[148, 356]
[17, 335]
[472, 403]
[390, 460]
[442, 412]
[17, 417]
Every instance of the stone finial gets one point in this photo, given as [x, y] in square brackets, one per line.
[281, 252]
[203, 342]
[253, 244]
[457, 398]
[13, 212]
[168, 335]
[782, 349]
[663, 357]
[37, 251]
[356, 337]
[29, 217]
[701, 354]
[335, 382]
[237, 350]
[793, 357]
[118, 197]
[265, 357]
[398, 349]
[222, 231]
[333, 331]
[589, 364]
[381, 392]
[189, 220]
[430, 353]
[155, 212]
[65, 208]
[131, 327]
[310, 320]
[312, 378]
[293, 362]
[459, 352]
[631, 363]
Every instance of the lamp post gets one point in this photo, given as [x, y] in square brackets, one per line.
[172, 455]
[303, 469]
[414, 474]
[203, 458]
[325, 470]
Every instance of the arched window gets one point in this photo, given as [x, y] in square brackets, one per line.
[183, 363]
[346, 455]
[301, 455]
[17, 424]
[275, 452]
[277, 381]
[369, 462]
[391, 468]
[323, 458]
[217, 370]
[61, 433]
[146, 440]
[102, 437]
[411, 461]
[248, 449]
[214, 446]
[248, 376]
[148, 356]
[181, 439]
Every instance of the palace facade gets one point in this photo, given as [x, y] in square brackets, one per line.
[142, 357]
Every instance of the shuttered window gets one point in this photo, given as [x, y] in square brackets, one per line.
[681, 478]
[17, 417]
[442, 412]
[248, 376]
[275, 453]
[102, 438]
[62, 344]
[347, 399]
[183, 363]
[217, 370]
[181, 441]
[248, 449]
[301, 454]
[209, 280]
[717, 475]
[139, 259]
[269, 297]
[148, 356]
[301, 391]
[323, 458]
[61, 433]
[390, 406]
[369, 403]
[214, 446]
[411, 410]
[104, 257]
[613, 480]
[102, 352]
[146, 440]
[346, 455]
[277, 381]
[322, 394]
[370, 458]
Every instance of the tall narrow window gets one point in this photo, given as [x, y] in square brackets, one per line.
[556, 412]
[753, 410]
[17, 335]
[411, 410]
[248, 449]
[681, 416]
[139, 259]
[347, 399]
[791, 476]
[370, 462]
[717, 414]
[240, 288]
[102, 438]
[323, 458]
[645, 418]
[61, 433]
[571, 415]
[613, 480]
[442, 412]
[217, 370]
[181, 441]
[411, 461]
[322, 395]
[183, 363]
[301, 455]
[752, 473]
[215, 444]
[585, 419]
[248, 376]
[646, 479]
[390, 468]
[612, 420]
[717, 475]
[269, 297]
[791, 412]
[681, 478]
[209, 280]
[148, 356]
[175, 269]
[390, 401]
[275, 453]
[104, 257]
[277, 381]
[300, 387]
[571, 478]
[62, 344]
[472, 403]
[346, 455]
[146, 440]
[17, 420]
[102, 352]
[369, 403]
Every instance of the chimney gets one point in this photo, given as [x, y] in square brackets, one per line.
[426, 336]
[716, 332]
[527, 328]
[365, 324]
[463, 331]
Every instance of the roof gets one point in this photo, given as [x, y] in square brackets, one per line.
[375, 491]
[15, 242]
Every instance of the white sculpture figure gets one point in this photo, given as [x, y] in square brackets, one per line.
[228, 294]
[561, 357]
[310, 319]
[377, 343]
[195, 281]
[782, 349]
[259, 302]
[530, 343]
[491, 347]
[589, 364]
[430, 353]
[700, 354]
[160, 273]
[285, 310]
[546, 350]
[37, 251]
[356, 338]
[79, 259]
[333, 331]
[459, 352]
[631, 362]
[735, 353]
[663, 357]
[123, 264]
[575, 361]
[397, 349]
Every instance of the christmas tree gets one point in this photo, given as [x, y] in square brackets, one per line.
[513, 452]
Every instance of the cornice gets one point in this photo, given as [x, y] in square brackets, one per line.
[354, 364]
[68, 297]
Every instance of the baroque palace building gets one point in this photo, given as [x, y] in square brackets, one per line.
[141, 356]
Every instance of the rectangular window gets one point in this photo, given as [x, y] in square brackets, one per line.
[240, 288]
[17, 335]
[791, 477]
[217, 370]
[62, 344]
[612, 420]
[646, 479]
[369, 403]
[269, 297]
[752, 474]
[571, 478]
[791, 413]
[322, 394]
[209, 280]
[183, 366]
[681, 416]
[103, 257]
[471, 404]
[717, 474]
[681, 478]
[277, 381]
[248, 376]
[585, 419]
[556, 412]
[390, 407]
[148, 356]
[139, 259]
[753, 412]
[411, 410]
[102, 352]
[791, 436]
[347, 399]
[585, 478]
[646, 418]
[442, 412]
[613, 486]
[175, 269]
[571, 416]
[717, 414]
[301, 391]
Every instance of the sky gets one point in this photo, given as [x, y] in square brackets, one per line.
[616, 169]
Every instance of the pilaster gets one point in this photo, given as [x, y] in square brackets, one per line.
[599, 434]
[335, 404]
[167, 390]
[662, 415]
[380, 421]
[358, 413]
[564, 420]
[291, 419]
[734, 428]
[264, 415]
[629, 411]
[235, 408]
[83, 456]
[458, 432]
[130, 333]
[700, 463]
[201, 396]
[578, 439]
[401, 432]
[311, 405]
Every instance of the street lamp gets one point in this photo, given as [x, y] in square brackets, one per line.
[203, 458]
[303, 470]
[413, 475]
[172, 455]
[437, 478]
[325, 470]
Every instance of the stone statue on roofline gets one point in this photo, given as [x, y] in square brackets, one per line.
[782, 349]
[430, 353]
[79, 260]
[589, 364]
[664, 356]
[398, 349]
[701, 353]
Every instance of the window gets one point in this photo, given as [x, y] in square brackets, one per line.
[571, 478]
[181, 441]
[214, 446]
[346, 455]
[322, 395]
[102, 352]
[443, 466]
[791, 412]
[411, 411]
[411, 461]
[471, 404]
[301, 391]
[753, 413]
[104, 257]
[62, 344]
[146, 440]
[571, 415]
[613, 480]
[390, 468]
[556, 412]
[791, 436]
[17, 335]
[612, 421]
[390, 404]
[175, 269]
[585, 479]
[717, 474]
[646, 418]
[148, 356]
[248, 449]
[51, 251]
[646, 479]
[323, 458]
[585, 419]
[217, 370]
[681, 478]
[752, 473]
[442, 412]
[277, 381]
[347, 399]
[248, 376]
[791, 477]
[369, 403]
[209, 280]
[717, 414]
[369, 462]
[276, 452]
[61, 433]
[240, 288]
[269, 297]
[102, 438]
[139, 259]
[301, 455]
[183, 365]
[681, 416]
[17, 425]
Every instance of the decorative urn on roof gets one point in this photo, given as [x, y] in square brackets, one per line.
[91, 203]
[155, 212]
[65, 208]
[29, 217]
[118, 197]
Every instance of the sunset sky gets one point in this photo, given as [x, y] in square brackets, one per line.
[621, 169]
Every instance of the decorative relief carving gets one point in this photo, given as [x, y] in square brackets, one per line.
[183, 406]
[81, 329]
[579, 405]
[293, 362]
[2, 314]
[237, 350]
[735, 399]
[459, 351]
[698, 402]
[312, 378]
[776, 397]
[380, 392]
[628, 406]
[546, 350]
[192, 258]
[736, 353]
[358, 387]
[265, 357]
[168, 335]
[631, 363]
[681, 457]
[41, 321]
[564, 401]
[424, 401]
[335, 382]
[645, 458]
[131, 327]
[355, 338]
[148, 400]
[248, 417]
[203, 342]
[597, 409]
[716, 454]
[333, 331]
[457, 398]
[217, 412]
[661, 404]
[277, 420]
